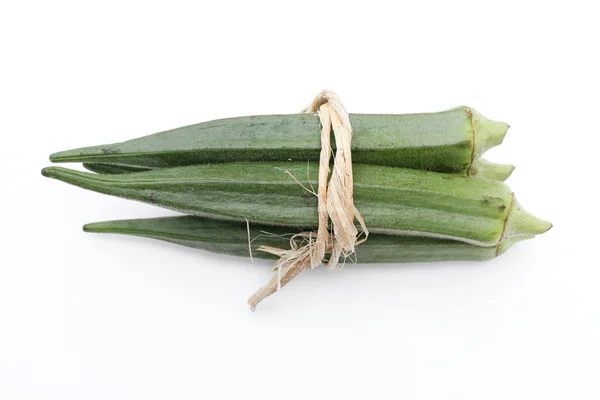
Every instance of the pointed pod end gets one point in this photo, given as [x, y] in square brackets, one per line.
[81, 154]
[49, 172]
[486, 133]
[489, 170]
[119, 226]
[55, 157]
[94, 227]
[522, 223]
[64, 156]
[59, 173]
[86, 180]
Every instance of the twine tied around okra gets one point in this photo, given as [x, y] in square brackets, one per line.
[335, 202]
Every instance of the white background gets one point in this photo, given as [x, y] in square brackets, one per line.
[87, 316]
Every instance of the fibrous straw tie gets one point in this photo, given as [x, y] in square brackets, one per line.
[335, 203]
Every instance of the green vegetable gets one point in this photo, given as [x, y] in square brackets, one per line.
[449, 141]
[480, 168]
[229, 237]
[392, 201]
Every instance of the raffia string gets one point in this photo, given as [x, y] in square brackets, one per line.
[335, 202]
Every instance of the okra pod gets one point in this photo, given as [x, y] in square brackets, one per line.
[233, 238]
[480, 168]
[448, 141]
[392, 201]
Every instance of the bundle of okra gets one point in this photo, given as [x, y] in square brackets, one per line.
[420, 184]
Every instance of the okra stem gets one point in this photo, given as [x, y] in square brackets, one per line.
[485, 169]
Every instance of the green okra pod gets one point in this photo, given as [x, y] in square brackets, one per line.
[448, 141]
[392, 201]
[479, 168]
[232, 238]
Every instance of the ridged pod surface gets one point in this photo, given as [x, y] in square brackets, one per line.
[392, 201]
[448, 141]
[231, 238]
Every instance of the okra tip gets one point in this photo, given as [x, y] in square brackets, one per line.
[56, 157]
[59, 173]
[487, 133]
[101, 227]
[124, 226]
[54, 172]
[85, 180]
[83, 154]
[47, 172]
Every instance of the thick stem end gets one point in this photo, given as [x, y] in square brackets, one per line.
[486, 133]
[489, 170]
[521, 223]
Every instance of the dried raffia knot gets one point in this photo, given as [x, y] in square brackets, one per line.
[335, 202]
